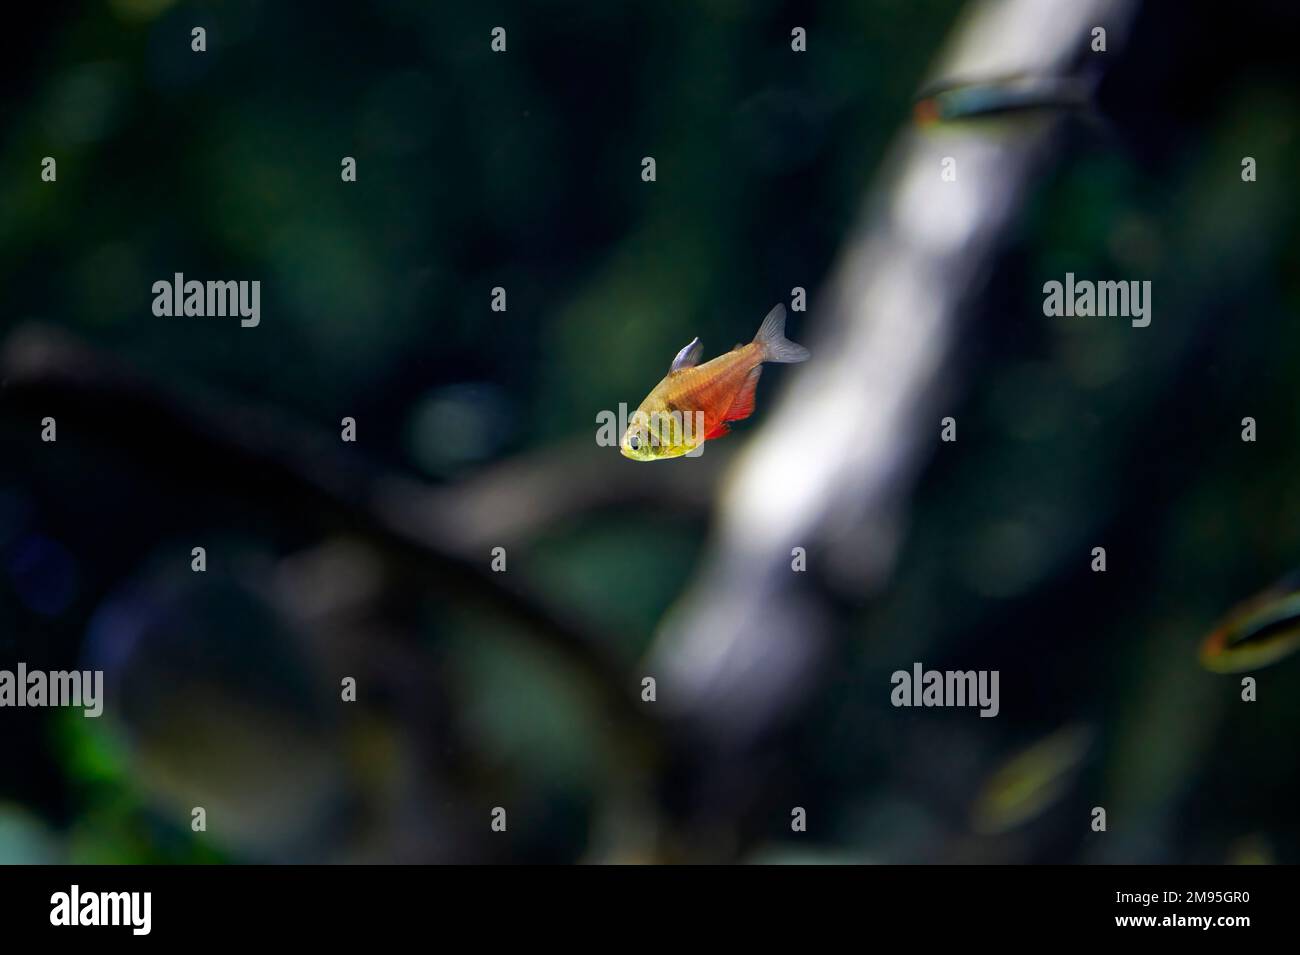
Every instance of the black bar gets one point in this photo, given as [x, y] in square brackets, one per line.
[334, 904]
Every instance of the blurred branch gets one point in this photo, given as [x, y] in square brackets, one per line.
[518, 498]
[832, 467]
[250, 453]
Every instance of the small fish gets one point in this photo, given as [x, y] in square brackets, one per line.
[694, 402]
[1012, 94]
[1260, 631]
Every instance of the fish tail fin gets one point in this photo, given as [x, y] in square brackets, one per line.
[776, 347]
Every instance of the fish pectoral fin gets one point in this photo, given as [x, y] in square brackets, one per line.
[688, 357]
[742, 406]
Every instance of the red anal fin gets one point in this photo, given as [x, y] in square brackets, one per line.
[717, 431]
[742, 406]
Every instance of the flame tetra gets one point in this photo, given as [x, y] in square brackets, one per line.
[694, 402]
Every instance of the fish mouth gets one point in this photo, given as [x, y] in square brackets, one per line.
[645, 452]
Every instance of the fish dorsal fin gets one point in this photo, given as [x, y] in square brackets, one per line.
[688, 357]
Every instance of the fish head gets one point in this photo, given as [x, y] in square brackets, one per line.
[654, 436]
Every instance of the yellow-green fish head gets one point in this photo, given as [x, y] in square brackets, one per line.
[659, 435]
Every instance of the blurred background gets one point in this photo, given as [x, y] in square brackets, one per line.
[522, 689]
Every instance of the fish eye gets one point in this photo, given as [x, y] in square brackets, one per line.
[633, 441]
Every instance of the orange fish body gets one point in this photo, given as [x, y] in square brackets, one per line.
[694, 403]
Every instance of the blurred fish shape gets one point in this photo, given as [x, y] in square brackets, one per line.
[1258, 632]
[953, 100]
[694, 402]
[1031, 781]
